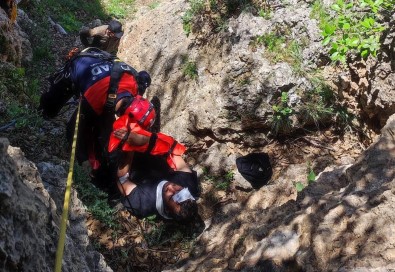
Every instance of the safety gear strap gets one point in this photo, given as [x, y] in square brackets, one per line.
[117, 71]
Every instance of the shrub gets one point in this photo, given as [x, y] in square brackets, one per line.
[190, 69]
[355, 27]
[281, 119]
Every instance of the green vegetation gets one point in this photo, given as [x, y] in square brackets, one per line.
[355, 28]
[94, 199]
[119, 8]
[319, 13]
[43, 51]
[213, 14]
[317, 103]
[154, 5]
[196, 7]
[69, 22]
[190, 68]
[281, 119]
[243, 81]
[310, 179]
[317, 106]
[221, 182]
[20, 96]
[280, 48]
[265, 13]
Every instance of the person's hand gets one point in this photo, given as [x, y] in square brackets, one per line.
[132, 137]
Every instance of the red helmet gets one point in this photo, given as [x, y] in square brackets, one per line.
[141, 111]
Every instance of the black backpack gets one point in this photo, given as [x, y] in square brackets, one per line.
[255, 168]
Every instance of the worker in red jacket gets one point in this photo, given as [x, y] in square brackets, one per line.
[104, 85]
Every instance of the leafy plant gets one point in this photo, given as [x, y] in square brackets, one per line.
[196, 6]
[155, 235]
[94, 199]
[355, 28]
[265, 13]
[299, 186]
[311, 176]
[221, 182]
[281, 122]
[310, 179]
[224, 182]
[211, 15]
[190, 69]
[319, 13]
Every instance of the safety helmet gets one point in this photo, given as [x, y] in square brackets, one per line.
[141, 111]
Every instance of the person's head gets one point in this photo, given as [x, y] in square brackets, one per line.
[115, 29]
[139, 110]
[179, 203]
[143, 81]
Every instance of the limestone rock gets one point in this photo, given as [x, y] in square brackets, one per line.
[29, 221]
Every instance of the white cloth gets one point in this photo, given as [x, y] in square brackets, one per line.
[160, 207]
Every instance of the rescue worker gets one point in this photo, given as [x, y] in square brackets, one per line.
[91, 75]
[152, 176]
[104, 37]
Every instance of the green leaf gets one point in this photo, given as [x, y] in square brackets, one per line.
[311, 176]
[335, 7]
[353, 42]
[326, 40]
[346, 26]
[329, 29]
[340, 3]
[367, 22]
[299, 186]
[335, 56]
[349, 5]
[365, 44]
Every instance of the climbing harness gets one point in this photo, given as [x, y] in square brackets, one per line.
[63, 223]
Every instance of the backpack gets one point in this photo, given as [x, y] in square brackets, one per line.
[255, 168]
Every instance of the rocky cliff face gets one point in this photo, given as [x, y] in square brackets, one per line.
[228, 106]
[333, 225]
[343, 222]
[14, 44]
[30, 219]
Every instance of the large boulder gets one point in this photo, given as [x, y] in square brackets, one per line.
[30, 219]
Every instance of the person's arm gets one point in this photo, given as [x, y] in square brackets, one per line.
[125, 185]
[133, 138]
[181, 165]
